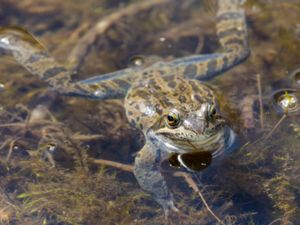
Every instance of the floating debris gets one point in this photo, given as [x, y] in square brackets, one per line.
[137, 61]
[286, 101]
[194, 161]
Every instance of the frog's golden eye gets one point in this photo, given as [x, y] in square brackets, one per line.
[172, 119]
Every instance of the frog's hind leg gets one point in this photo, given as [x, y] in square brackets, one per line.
[232, 34]
[34, 57]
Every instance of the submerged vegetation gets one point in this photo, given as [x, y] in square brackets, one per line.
[49, 143]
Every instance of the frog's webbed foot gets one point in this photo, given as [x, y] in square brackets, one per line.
[34, 57]
[168, 206]
[149, 177]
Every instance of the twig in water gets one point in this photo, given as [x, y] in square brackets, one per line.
[11, 147]
[261, 108]
[276, 126]
[189, 180]
[275, 221]
[121, 166]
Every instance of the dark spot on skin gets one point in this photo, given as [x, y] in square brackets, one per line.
[210, 94]
[167, 102]
[158, 109]
[122, 84]
[105, 86]
[190, 71]
[198, 98]
[168, 78]
[143, 94]
[137, 107]
[53, 71]
[161, 72]
[236, 41]
[172, 84]
[153, 84]
[195, 88]
[130, 113]
[231, 32]
[182, 87]
[225, 62]
[92, 87]
[141, 126]
[80, 88]
[182, 99]
[138, 119]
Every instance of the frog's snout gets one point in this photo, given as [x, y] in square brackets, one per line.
[197, 125]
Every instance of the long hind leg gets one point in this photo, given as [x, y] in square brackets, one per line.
[34, 57]
[232, 34]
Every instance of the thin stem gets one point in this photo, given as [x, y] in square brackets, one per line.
[261, 108]
[195, 188]
[276, 126]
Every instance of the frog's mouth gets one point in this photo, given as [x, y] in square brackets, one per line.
[183, 141]
[199, 160]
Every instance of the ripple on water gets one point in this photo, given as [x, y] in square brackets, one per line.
[295, 76]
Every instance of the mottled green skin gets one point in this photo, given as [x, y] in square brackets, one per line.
[152, 93]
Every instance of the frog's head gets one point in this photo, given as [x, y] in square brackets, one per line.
[200, 128]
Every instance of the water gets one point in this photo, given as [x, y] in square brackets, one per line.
[259, 184]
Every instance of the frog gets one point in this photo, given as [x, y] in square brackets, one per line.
[169, 101]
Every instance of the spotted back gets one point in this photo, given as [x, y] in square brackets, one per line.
[154, 96]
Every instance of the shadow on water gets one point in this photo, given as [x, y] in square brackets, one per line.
[49, 143]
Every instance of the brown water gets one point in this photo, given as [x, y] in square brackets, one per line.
[47, 170]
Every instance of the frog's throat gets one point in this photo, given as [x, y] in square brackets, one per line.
[217, 144]
[230, 138]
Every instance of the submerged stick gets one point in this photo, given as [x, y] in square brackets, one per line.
[121, 166]
[189, 180]
[276, 126]
[261, 108]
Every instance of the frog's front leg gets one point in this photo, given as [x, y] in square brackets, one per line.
[148, 174]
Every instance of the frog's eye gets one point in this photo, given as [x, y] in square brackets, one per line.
[212, 111]
[172, 119]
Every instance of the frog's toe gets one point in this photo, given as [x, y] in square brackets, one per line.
[168, 205]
